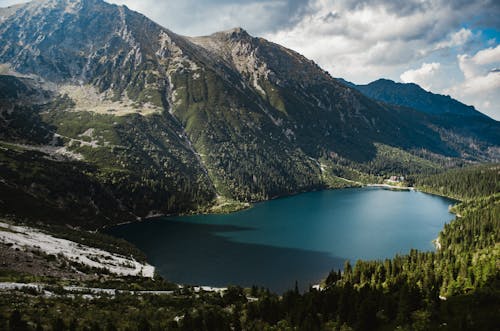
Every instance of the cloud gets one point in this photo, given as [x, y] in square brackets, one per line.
[358, 39]
[487, 56]
[422, 76]
[194, 18]
[6, 3]
[481, 84]
[458, 38]
[412, 41]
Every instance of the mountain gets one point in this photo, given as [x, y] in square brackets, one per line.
[413, 96]
[108, 116]
[445, 111]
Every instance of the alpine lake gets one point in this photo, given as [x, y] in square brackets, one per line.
[299, 238]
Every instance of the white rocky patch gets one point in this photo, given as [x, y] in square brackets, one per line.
[63, 151]
[57, 152]
[246, 61]
[289, 133]
[169, 49]
[88, 133]
[94, 142]
[32, 239]
[87, 98]
[210, 289]
[255, 83]
[72, 7]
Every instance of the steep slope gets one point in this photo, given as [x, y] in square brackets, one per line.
[93, 169]
[315, 111]
[167, 123]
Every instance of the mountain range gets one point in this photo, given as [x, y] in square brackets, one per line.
[106, 116]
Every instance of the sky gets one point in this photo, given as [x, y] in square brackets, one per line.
[449, 47]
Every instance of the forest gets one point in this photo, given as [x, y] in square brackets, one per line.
[455, 287]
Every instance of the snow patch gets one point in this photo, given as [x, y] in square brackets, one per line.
[29, 238]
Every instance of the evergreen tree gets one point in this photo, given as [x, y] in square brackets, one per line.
[16, 322]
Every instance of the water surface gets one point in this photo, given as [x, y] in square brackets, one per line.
[299, 238]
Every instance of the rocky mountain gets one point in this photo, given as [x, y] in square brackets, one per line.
[106, 115]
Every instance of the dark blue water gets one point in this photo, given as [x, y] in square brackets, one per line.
[299, 238]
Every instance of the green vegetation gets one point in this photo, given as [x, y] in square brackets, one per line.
[247, 156]
[204, 311]
[457, 287]
[466, 183]
[133, 165]
[226, 206]
[306, 132]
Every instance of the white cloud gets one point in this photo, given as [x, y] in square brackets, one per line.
[6, 3]
[364, 40]
[458, 38]
[479, 64]
[195, 18]
[481, 84]
[487, 56]
[422, 76]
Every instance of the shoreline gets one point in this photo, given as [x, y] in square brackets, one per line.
[456, 199]
[154, 216]
[392, 187]
[249, 205]
[385, 186]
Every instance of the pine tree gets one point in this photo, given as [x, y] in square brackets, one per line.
[16, 322]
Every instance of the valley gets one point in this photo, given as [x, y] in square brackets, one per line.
[108, 119]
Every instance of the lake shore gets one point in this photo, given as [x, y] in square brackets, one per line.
[392, 187]
[227, 206]
[308, 235]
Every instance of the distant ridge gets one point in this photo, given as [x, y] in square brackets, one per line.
[413, 96]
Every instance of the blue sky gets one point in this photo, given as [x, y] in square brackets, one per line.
[448, 47]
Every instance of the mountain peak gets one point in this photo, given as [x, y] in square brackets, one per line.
[383, 80]
[237, 33]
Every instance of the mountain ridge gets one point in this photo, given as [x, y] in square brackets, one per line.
[389, 91]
